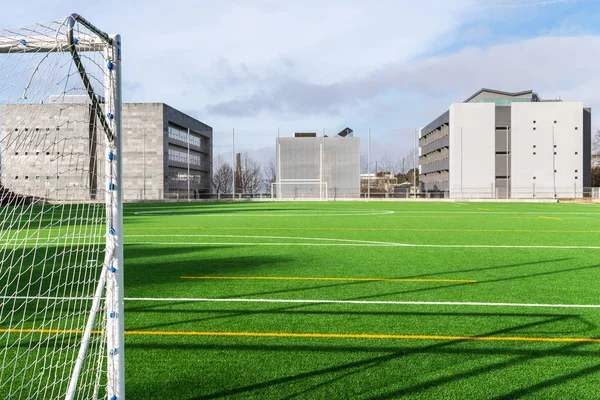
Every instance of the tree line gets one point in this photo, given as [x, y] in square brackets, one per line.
[251, 177]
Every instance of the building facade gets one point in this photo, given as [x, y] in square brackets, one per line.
[507, 145]
[55, 151]
[160, 146]
[317, 167]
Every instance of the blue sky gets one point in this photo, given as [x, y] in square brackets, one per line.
[261, 65]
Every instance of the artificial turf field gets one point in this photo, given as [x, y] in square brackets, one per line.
[436, 300]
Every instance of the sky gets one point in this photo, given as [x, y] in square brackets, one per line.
[268, 66]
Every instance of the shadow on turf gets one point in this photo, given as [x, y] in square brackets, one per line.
[396, 353]
[480, 282]
[176, 261]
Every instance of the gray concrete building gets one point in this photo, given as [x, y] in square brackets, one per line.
[52, 151]
[499, 144]
[318, 167]
[156, 145]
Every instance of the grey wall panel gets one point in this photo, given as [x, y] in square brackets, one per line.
[502, 141]
[442, 119]
[503, 165]
[587, 147]
[502, 116]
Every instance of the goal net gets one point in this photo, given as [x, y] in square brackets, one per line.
[61, 311]
[298, 189]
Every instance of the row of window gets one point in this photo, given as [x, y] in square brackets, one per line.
[183, 177]
[183, 136]
[182, 157]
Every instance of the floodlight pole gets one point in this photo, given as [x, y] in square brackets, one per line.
[415, 166]
[369, 164]
[233, 163]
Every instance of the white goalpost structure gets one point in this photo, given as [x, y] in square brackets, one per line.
[299, 189]
[61, 252]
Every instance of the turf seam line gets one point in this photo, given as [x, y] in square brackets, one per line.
[309, 301]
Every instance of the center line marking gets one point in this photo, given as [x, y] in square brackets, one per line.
[293, 278]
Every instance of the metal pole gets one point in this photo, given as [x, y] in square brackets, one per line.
[188, 163]
[233, 163]
[553, 163]
[415, 166]
[461, 162]
[144, 167]
[369, 164]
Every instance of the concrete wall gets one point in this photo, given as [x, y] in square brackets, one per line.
[143, 151]
[51, 151]
[547, 150]
[472, 158]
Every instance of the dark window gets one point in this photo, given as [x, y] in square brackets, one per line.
[575, 153]
[534, 153]
[534, 121]
[575, 128]
[534, 128]
[575, 171]
[575, 177]
[534, 177]
[534, 146]
[554, 121]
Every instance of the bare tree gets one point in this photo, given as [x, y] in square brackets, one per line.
[222, 176]
[387, 164]
[596, 144]
[270, 174]
[250, 174]
[364, 166]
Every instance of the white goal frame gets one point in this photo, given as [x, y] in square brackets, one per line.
[322, 186]
[110, 117]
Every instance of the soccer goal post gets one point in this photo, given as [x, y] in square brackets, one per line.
[298, 189]
[61, 253]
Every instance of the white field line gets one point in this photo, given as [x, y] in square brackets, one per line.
[265, 214]
[311, 301]
[342, 242]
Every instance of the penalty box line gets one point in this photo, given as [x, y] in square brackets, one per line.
[363, 302]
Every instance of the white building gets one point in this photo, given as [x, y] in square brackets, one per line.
[508, 145]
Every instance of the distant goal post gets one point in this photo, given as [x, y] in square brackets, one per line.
[298, 189]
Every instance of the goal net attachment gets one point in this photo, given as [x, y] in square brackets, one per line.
[61, 252]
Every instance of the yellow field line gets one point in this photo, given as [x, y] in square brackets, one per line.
[553, 218]
[328, 335]
[293, 278]
[378, 229]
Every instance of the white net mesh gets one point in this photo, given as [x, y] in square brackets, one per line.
[53, 212]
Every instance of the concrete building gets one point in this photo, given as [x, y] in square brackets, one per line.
[507, 145]
[156, 145]
[52, 151]
[318, 167]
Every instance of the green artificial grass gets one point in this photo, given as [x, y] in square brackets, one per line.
[168, 241]
[451, 252]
